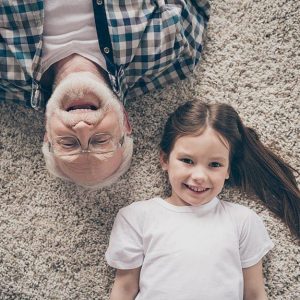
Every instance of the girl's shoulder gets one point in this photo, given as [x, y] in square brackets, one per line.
[239, 212]
[245, 219]
[254, 240]
[235, 207]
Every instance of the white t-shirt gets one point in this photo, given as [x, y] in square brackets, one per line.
[187, 253]
[69, 27]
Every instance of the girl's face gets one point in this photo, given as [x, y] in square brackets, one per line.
[197, 168]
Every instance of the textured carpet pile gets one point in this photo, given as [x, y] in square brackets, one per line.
[53, 235]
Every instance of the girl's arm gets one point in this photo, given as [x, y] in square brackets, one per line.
[126, 285]
[254, 287]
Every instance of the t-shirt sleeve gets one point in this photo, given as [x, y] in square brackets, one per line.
[125, 250]
[254, 240]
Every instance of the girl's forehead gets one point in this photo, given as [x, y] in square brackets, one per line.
[205, 136]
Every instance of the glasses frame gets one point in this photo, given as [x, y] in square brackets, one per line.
[117, 145]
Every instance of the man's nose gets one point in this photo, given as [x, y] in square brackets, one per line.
[83, 131]
[82, 126]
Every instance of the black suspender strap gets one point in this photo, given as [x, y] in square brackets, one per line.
[103, 34]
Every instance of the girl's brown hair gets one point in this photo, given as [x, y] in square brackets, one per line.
[253, 167]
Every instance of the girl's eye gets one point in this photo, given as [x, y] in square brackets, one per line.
[187, 161]
[215, 164]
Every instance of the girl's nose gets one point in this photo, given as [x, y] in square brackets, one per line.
[199, 174]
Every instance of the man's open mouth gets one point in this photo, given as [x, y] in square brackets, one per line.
[76, 105]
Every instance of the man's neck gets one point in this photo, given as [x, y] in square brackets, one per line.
[76, 63]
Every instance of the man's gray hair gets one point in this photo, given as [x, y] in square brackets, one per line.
[55, 170]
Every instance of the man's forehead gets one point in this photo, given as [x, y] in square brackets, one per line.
[89, 165]
[84, 161]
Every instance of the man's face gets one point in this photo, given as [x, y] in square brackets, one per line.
[78, 111]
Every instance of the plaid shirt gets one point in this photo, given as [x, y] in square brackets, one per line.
[146, 44]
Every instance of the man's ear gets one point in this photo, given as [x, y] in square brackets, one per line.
[46, 140]
[164, 160]
[127, 124]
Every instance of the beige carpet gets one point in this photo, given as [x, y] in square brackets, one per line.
[53, 235]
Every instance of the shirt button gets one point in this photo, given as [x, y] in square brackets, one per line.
[99, 2]
[106, 50]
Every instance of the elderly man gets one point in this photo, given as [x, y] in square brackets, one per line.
[82, 60]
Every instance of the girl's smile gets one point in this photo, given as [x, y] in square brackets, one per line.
[197, 167]
[195, 189]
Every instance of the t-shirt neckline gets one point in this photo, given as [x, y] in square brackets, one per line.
[189, 209]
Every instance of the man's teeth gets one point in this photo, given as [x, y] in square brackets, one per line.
[196, 189]
[82, 107]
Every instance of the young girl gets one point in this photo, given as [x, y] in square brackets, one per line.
[193, 246]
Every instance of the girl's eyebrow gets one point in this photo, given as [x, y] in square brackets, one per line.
[222, 158]
[184, 153]
[219, 158]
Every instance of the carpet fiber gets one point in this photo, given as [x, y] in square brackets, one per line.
[53, 235]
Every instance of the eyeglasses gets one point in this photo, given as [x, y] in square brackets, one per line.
[99, 143]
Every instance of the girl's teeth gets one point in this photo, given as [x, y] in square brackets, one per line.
[196, 189]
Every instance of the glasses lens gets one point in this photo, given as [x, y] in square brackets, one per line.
[102, 143]
[99, 143]
[66, 146]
